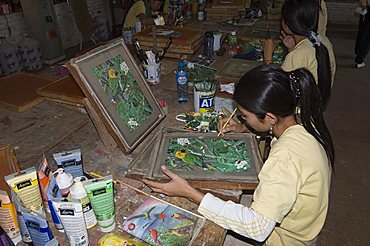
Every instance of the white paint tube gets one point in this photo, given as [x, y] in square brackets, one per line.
[100, 193]
[26, 237]
[38, 227]
[53, 191]
[70, 213]
[64, 181]
[70, 161]
[26, 185]
[77, 191]
[8, 218]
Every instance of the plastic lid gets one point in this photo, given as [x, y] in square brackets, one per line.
[181, 63]
[4, 197]
[77, 190]
[63, 179]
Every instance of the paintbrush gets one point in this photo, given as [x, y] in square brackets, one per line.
[227, 122]
[120, 182]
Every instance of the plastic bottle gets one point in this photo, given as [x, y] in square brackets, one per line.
[182, 83]
[77, 191]
[233, 42]
[64, 181]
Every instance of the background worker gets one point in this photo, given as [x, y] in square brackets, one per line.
[363, 36]
[143, 11]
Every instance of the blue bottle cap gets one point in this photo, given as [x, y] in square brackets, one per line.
[181, 63]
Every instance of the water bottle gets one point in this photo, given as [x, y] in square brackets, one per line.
[182, 83]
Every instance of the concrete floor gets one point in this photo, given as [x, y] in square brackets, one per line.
[348, 119]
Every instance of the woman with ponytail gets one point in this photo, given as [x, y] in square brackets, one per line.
[290, 203]
[306, 48]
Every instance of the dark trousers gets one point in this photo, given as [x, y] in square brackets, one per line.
[363, 38]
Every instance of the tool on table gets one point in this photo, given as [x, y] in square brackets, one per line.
[120, 182]
[227, 122]
[165, 49]
[139, 52]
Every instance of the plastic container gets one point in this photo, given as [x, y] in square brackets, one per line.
[77, 191]
[233, 43]
[182, 83]
[64, 181]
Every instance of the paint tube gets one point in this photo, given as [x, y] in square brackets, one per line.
[77, 191]
[53, 242]
[53, 191]
[71, 214]
[70, 161]
[64, 181]
[8, 218]
[5, 239]
[100, 193]
[26, 237]
[38, 227]
[43, 175]
[26, 185]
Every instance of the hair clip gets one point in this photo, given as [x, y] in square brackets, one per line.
[295, 85]
[314, 38]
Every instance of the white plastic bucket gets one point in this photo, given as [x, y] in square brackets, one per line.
[204, 101]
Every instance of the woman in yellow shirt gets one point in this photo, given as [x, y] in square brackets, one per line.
[306, 48]
[291, 201]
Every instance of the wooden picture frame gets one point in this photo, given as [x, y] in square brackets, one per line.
[149, 161]
[236, 68]
[117, 90]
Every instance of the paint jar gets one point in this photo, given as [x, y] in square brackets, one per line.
[64, 181]
[204, 101]
[152, 72]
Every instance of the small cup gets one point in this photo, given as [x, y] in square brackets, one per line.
[152, 73]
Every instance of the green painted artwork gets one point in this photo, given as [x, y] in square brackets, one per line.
[223, 155]
[124, 92]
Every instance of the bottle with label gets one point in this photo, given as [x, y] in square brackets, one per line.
[182, 82]
[233, 43]
[77, 191]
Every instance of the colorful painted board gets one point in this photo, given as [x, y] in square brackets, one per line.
[160, 223]
[230, 162]
[111, 80]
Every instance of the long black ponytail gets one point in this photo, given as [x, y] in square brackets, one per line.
[268, 88]
[301, 16]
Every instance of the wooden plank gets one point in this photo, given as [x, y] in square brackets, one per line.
[65, 90]
[18, 91]
[104, 134]
[186, 38]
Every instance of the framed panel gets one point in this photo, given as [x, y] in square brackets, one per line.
[116, 88]
[231, 162]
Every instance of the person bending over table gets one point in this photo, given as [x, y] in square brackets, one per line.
[290, 203]
[138, 9]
